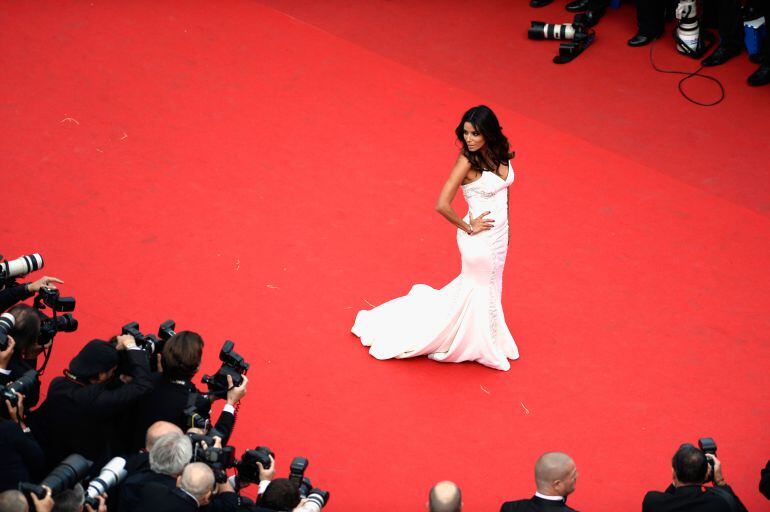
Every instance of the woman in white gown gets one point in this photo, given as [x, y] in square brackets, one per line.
[464, 320]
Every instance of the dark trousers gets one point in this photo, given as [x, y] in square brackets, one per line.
[728, 21]
[598, 5]
[651, 16]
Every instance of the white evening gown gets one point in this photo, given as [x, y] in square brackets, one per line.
[464, 320]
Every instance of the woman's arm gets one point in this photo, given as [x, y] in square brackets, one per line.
[447, 195]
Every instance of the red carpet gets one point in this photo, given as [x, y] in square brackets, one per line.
[261, 171]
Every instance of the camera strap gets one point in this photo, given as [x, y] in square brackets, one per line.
[74, 378]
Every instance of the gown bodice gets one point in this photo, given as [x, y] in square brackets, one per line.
[489, 194]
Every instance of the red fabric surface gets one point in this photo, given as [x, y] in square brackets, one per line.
[260, 177]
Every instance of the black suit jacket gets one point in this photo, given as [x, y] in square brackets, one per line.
[131, 490]
[10, 296]
[536, 504]
[78, 418]
[167, 402]
[21, 456]
[159, 498]
[692, 498]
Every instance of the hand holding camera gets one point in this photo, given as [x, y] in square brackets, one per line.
[5, 355]
[16, 410]
[125, 341]
[269, 472]
[236, 393]
[44, 504]
[99, 506]
[716, 469]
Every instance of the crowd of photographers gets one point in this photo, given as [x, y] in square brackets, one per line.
[124, 429]
[740, 24]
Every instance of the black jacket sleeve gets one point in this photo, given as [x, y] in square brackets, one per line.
[222, 502]
[10, 296]
[32, 454]
[113, 401]
[225, 425]
[726, 489]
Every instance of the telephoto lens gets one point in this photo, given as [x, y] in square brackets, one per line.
[64, 476]
[21, 385]
[540, 30]
[21, 266]
[7, 321]
[318, 497]
[111, 475]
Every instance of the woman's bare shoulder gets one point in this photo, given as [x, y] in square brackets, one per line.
[463, 162]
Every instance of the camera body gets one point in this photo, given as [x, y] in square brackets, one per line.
[233, 365]
[577, 35]
[22, 385]
[315, 498]
[708, 445]
[147, 342]
[151, 343]
[218, 459]
[50, 325]
[247, 468]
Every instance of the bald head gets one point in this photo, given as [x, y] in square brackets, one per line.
[197, 479]
[555, 474]
[13, 501]
[445, 497]
[158, 429]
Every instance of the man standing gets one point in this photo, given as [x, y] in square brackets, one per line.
[688, 491]
[555, 478]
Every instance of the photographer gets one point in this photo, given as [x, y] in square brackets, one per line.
[281, 495]
[19, 292]
[141, 460]
[79, 414]
[173, 388]
[22, 350]
[692, 470]
[168, 456]
[21, 455]
[194, 490]
[15, 501]
[73, 500]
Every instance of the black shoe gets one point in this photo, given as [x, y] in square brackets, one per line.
[641, 40]
[721, 55]
[761, 76]
[577, 6]
[539, 3]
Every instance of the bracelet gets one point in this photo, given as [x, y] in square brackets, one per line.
[471, 230]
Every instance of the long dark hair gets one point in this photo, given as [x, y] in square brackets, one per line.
[496, 149]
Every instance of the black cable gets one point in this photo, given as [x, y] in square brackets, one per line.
[689, 75]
